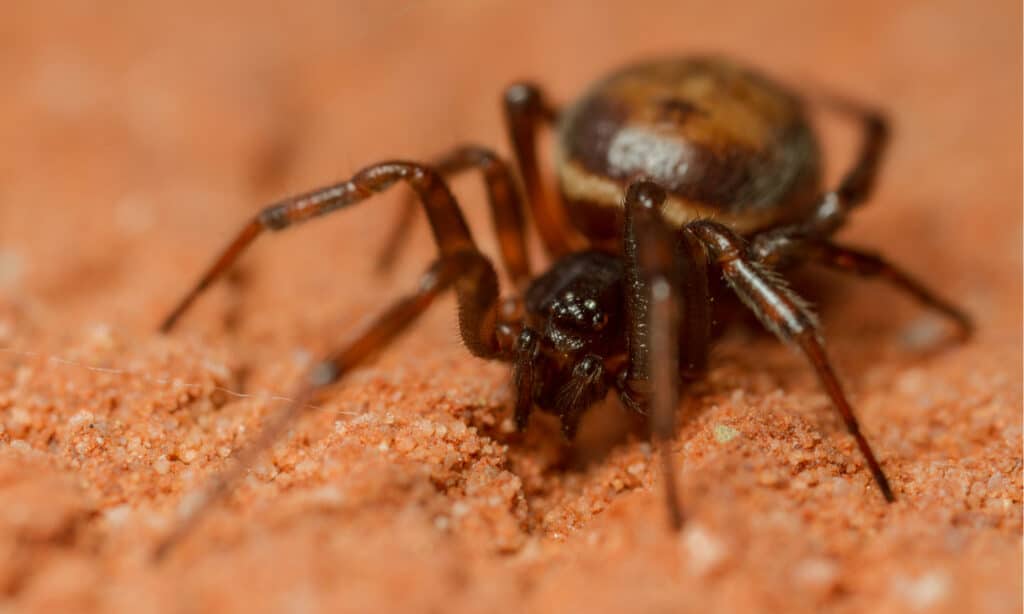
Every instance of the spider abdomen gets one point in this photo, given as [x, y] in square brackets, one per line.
[722, 140]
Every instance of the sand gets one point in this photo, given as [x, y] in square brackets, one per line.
[136, 140]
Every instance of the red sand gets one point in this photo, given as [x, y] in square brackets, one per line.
[136, 141]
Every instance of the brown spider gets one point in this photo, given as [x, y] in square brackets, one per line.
[672, 173]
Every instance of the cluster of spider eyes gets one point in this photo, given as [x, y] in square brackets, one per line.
[583, 315]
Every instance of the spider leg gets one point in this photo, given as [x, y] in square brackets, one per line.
[780, 245]
[787, 316]
[859, 181]
[450, 230]
[503, 199]
[395, 242]
[850, 260]
[696, 302]
[650, 382]
[526, 108]
[787, 248]
[473, 278]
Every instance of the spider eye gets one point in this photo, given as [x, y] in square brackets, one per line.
[582, 316]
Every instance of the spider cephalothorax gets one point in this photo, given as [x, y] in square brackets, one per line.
[575, 314]
[672, 173]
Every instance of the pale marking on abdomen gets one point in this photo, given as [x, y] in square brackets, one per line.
[580, 185]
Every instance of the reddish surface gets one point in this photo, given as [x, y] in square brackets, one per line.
[135, 141]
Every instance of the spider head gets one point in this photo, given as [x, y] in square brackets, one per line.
[577, 305]
[575, 320]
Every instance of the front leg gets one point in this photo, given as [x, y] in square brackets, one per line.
[650, 382]
[450, 230]
[507, 214]
[472, 276]
[785, 314]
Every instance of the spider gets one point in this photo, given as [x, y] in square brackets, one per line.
[673, 175]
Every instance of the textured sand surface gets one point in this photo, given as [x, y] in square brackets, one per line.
[135, 141]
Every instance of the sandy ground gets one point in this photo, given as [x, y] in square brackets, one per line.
[136, 140]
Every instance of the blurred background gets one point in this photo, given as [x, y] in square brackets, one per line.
[138, 136]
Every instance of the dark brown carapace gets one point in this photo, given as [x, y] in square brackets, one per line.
[673, 175]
